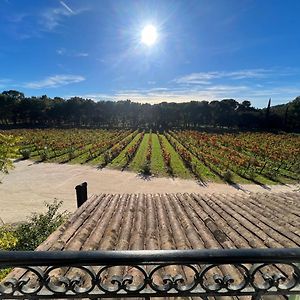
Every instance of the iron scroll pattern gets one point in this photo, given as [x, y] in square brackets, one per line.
[151, 276]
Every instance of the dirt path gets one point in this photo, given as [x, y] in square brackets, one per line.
[30, 184]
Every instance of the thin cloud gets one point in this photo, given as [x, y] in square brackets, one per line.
[5, 82]
[81, 54]
[226, 88]
[207, 77]
[64, 52]
[68, 8]
[53, 17]
[54, 81]
[258, 96]
[16, 17]
[61, 51]
[36, 22]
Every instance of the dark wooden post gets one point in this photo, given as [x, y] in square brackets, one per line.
[81, 193]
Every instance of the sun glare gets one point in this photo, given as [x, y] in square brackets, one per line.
[149, 35]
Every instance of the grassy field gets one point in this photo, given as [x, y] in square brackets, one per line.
[157, 162]
[177, 165]
[121, 160]
[260, 158]
[140, 155]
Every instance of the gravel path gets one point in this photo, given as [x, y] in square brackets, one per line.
[25, 189]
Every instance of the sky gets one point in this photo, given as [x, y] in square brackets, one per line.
[204, 50]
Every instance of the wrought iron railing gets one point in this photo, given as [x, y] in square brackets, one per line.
[146, 274]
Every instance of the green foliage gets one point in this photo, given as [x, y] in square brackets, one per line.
[39, 226]
[8, 151]
[228, 176]
[26, 153]
[71, 153]
[157, 160]
[44, 155]
[177, 167]
[28, 235]
[140, 155]
[8, 239]
[145, 169]
[78, 111]
[106, 157]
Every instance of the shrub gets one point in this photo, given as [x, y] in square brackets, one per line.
[8, 239]
[39, 226]
[28, 235]
[26, 153]
[71, 153]
[145, 169]
[106, 157]
[8, 151]
[227, 176]
[44, 156]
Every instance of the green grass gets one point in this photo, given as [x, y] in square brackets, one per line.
[177, 165]
[82, 158]
[157, 161]
[140, 156]
[202, 172]
[120, 161]
[99, 160]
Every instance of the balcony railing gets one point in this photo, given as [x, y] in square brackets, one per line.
[146, 274]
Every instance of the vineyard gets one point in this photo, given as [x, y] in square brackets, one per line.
[261, 158]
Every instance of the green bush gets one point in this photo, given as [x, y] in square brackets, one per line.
[71, 153]
[44, 155]
[8, 239]
[28, 235]
[145, 169]
[227, 176]
[107, 157]
[39, 226]
[8, 151]
[26, 153]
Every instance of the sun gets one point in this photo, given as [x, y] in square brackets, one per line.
[149, 35]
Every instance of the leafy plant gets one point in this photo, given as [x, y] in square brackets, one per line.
[26, 153]
[44, 155]
[145, 169]
[71, 153]
[227, 176]
[8, 151]
[39, 226]
[8, 239]
[28, 235]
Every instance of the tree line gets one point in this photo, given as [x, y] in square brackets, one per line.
[20, 111]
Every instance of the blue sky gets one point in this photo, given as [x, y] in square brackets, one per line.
[205, 50]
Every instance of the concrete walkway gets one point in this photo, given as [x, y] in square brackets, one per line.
[25, 189]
